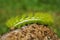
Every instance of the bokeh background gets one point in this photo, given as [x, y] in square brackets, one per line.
[11, 8]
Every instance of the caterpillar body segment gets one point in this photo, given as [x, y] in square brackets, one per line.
[29, 18]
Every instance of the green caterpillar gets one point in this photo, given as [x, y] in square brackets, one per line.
[28, 18]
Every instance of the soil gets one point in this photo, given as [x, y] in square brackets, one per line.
[31, 32]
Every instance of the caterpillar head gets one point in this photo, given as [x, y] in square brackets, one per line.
[28, 18]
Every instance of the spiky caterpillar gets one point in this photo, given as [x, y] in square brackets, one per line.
[28, 18]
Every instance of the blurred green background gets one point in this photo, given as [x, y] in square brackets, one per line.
[11, 8]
